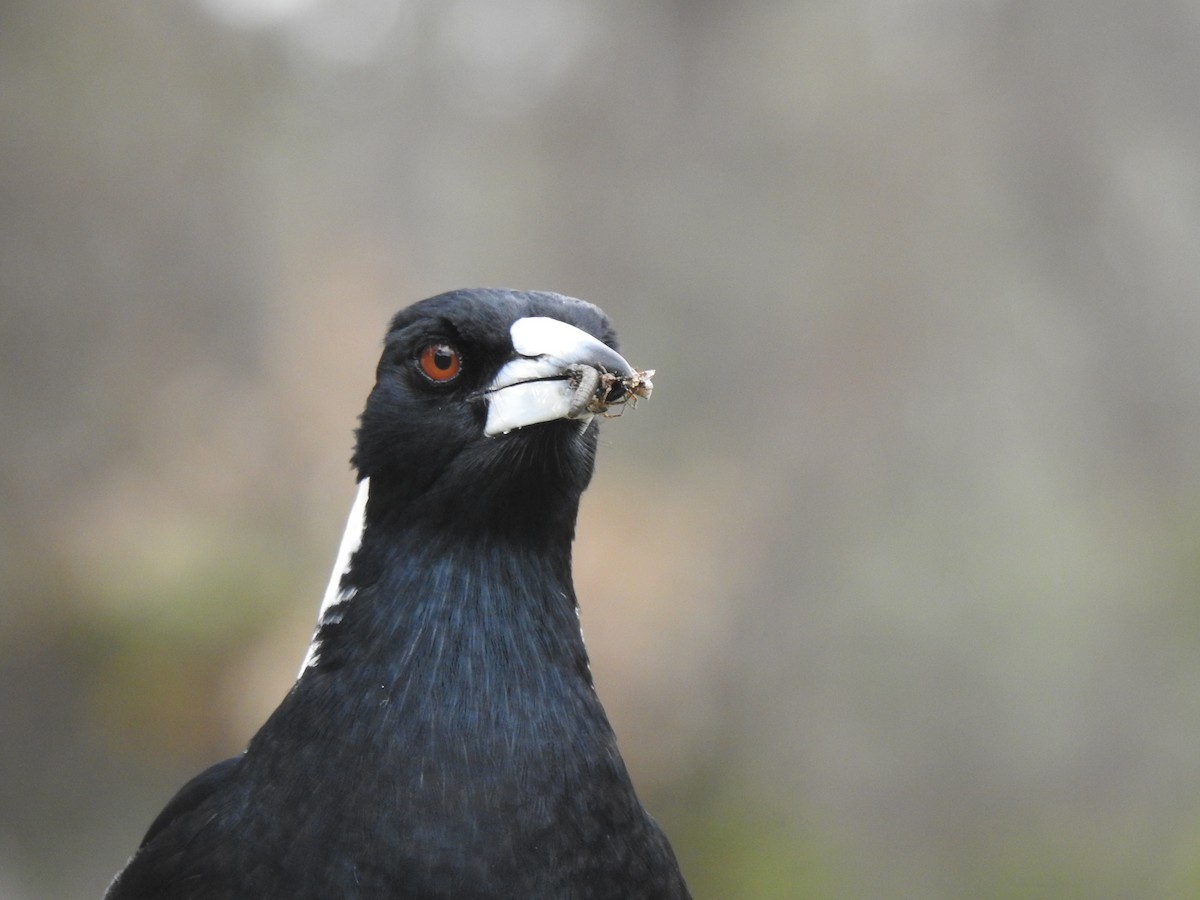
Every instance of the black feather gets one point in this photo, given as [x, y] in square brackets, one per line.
[448, 741]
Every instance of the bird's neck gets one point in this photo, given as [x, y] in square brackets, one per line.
[449, 657]
[457, 671]
[481, 623]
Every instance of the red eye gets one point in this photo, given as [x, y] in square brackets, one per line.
[440, 362]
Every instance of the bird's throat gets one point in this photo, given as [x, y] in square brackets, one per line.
[475, 618]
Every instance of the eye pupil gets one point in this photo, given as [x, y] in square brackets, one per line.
[440, 362]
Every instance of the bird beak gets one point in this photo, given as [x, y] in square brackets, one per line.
[560, 372]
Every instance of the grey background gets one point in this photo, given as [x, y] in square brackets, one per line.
[891, 589]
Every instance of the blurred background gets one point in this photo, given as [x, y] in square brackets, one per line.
[892, 590]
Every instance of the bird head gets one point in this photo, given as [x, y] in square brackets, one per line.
[444, 737]
[482, 414]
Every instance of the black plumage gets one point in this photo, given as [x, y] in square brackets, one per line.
[444, 739]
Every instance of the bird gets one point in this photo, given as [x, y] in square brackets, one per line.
[444, 738]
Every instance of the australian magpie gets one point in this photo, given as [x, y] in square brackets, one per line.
[444, 738]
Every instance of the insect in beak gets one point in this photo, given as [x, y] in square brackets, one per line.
[597, 391]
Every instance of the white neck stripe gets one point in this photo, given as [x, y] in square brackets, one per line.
[351, 540]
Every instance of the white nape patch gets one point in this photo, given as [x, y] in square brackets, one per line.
[582, 639]
[334, 593]
[351, 539]
[536, 386]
